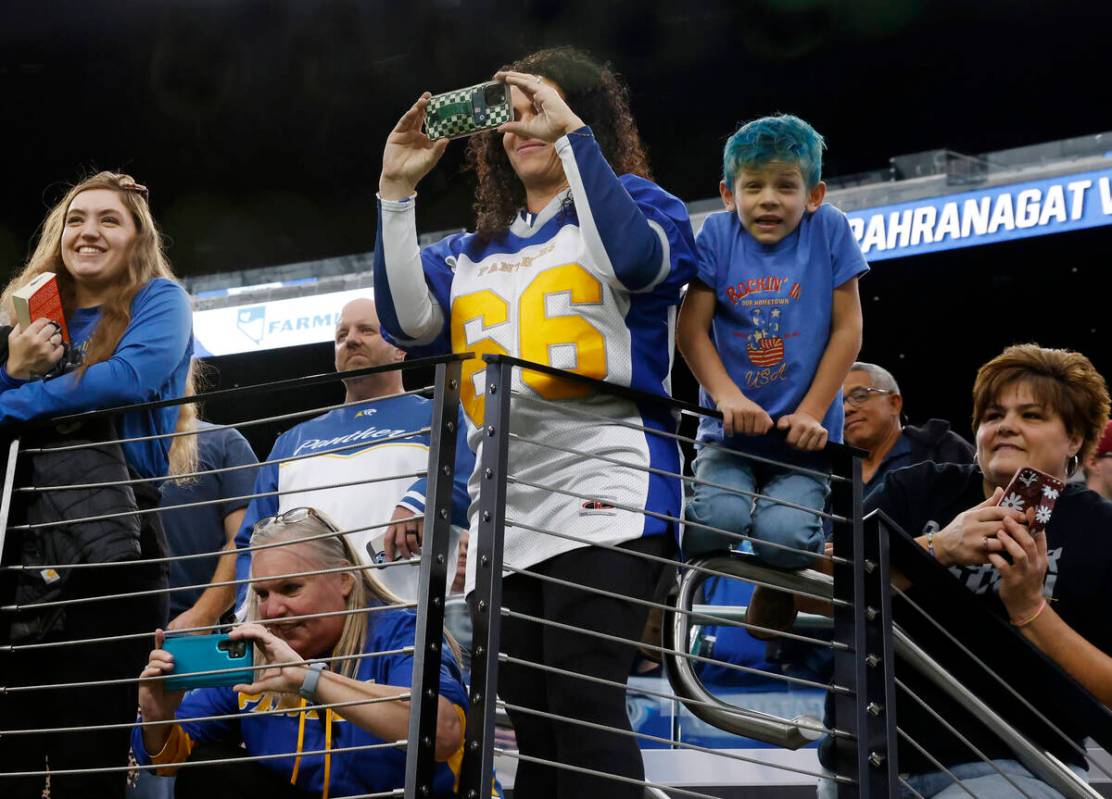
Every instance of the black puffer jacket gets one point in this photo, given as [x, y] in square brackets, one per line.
[935, 441]
[56, 537]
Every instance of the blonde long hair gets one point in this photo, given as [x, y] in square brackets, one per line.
[329, 552]
[146, 261]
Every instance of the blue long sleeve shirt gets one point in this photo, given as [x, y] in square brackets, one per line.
[150, 362]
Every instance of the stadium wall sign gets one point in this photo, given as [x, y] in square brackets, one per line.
[270, 325]
[1036, 208]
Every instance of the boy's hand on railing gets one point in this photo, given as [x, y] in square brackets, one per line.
[742, 416]
[804, 431]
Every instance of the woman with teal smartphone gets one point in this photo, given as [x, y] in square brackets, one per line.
[331, 679]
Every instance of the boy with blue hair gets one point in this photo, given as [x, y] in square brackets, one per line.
[770, 328]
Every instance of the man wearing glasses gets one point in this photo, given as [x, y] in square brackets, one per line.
[873, 407]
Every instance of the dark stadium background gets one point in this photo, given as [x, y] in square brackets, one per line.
[258, 125]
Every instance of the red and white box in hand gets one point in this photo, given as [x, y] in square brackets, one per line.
[40, 299]
[1032, 489]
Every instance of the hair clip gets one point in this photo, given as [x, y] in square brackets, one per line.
[138, 188]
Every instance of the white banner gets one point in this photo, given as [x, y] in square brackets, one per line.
[270, 325]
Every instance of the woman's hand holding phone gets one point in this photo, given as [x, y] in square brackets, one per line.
[155, 702]
[552, 118]
[285, 679]
[409, 154]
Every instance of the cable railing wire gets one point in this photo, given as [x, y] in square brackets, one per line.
[198, 431]
[12, 689]
[219, 553]
[668, 561]
[192, 763]
[934, 761]
[648, 603]
[239, 392]
[205, 628]
[574, 411]
[667, 741]
[671, 697]
[954, 731]
[664, 650]
[218, 470]
[223, 500]
[665, 517]
[1000, 681]
[673, 789]
[692, 479]
[414, 561]
[222, 717]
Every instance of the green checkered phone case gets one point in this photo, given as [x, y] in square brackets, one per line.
[467, 111]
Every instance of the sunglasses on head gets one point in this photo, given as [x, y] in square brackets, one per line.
[292, 516]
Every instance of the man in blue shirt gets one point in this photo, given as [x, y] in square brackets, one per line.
[207, 527]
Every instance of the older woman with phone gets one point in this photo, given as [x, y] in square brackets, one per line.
[339, 666]
[1033, 408]
[577, 262]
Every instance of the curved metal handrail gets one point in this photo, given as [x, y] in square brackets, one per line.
[794, 733]
[786, 733]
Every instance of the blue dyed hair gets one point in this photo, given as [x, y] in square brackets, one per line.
[781, 137]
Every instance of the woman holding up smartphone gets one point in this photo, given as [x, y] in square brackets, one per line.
[1032, 407]
[294, 618]
[130, 325]
[577, 262]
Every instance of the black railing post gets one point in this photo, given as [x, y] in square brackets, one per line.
[478, 757]
[878, 695]
[849, 629]
[421, 753]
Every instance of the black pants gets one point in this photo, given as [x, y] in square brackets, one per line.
[566, 742]
[80, 707]
[231, 780]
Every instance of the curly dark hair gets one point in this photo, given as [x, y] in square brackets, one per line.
[600, 99]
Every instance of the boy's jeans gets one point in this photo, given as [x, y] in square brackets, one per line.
[761, 519]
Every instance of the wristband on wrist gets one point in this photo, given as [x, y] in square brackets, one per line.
[930, 544]
[1028, 619]
[309, 685]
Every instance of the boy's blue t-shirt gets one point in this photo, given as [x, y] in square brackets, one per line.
[775, 307]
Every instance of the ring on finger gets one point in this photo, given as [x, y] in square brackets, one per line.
[984, 544]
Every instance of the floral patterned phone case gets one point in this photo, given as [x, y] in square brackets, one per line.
[467, 111]
[1030, 488]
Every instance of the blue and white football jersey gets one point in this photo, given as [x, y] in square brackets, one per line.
[364, 441]
[590, 285]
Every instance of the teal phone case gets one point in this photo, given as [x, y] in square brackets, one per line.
[199, 653]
